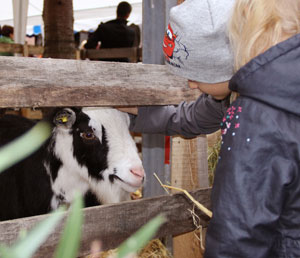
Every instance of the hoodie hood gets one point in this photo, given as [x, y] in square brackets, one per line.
[273, 77]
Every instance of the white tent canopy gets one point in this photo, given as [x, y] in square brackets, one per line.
[87, 13]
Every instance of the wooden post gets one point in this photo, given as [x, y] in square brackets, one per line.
[189, 171]
[77, 54]
[25, 50]
[155, 17]
[153, 145]
[20, 8]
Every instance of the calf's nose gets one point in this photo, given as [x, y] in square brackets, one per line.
[138, 171]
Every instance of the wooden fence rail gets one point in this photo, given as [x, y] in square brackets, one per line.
[134, 54]
[109, 224]
[41, 82]
[25, 50]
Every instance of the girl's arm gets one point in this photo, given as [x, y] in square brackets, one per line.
[202, 116]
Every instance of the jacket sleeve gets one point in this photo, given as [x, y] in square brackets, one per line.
[94, 39]
[202, 116]
[250, 188]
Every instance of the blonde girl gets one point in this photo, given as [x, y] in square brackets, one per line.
[255, 197]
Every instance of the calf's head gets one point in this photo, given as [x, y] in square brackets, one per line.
[94, 151]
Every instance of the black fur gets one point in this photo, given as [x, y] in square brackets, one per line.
[90, 153]
[25, 187]
[90, 199]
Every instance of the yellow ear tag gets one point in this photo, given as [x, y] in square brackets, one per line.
[64, 119]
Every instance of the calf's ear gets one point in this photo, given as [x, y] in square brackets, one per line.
[64, 118]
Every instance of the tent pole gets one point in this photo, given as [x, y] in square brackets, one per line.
[20, 8]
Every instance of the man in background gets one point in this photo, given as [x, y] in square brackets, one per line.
[114, 33]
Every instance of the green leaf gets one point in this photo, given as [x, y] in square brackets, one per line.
[69, 243]
[137, 241]
[25, 247]
[24, 145]
[6, 252]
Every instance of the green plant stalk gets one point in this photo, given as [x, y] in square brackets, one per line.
[69, 242]
[137, 241]
[25, 247]
[24, 145]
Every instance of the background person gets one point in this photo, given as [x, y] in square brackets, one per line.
[114, 33]
[7, 36]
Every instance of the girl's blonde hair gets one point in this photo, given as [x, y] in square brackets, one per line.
[256, 25]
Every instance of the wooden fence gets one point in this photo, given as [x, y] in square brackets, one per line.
[25, 50]
[113, 223]
[133, 54]
[38, 82]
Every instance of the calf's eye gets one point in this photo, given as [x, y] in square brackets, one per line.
[88, 135]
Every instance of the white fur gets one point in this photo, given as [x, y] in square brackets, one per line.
[122, 155]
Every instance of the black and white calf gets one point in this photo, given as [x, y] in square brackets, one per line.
[90, 150]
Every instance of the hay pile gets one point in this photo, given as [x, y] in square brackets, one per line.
[213, 150]
[154, 249]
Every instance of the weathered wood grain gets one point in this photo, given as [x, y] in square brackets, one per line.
[38, 82]
[112, 224]
[189, 171]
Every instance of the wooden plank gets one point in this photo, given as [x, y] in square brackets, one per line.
[189, 163]
[25, 50]
[35, 50]
[19, 49]
[131, 53]
[41, 82]
[31, 114]
[11, 48]
[112, 224]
